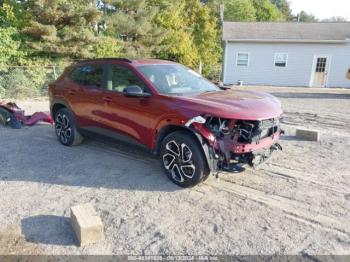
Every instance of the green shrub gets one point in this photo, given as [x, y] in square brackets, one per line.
[25, 82]
[17, 83]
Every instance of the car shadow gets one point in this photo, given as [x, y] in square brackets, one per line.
[294, 138]
[34, 154]
[48, 230]
[289, 138]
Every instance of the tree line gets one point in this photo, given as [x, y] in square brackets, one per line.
[187, 31]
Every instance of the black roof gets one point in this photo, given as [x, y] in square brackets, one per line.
[104, 59]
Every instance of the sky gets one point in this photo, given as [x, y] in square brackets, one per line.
[322, 8]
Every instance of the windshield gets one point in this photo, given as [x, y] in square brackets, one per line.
[176, 79]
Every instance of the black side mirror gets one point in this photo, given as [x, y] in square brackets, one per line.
[135, 91]
[222, 86]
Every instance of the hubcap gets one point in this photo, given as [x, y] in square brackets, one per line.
[63, 128]
[178, 160]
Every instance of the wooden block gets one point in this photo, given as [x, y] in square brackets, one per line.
[87, 224]
[306, 134]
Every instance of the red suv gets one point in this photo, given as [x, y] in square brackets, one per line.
[196, 127]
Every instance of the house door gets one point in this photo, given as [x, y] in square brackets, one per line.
[320, 71]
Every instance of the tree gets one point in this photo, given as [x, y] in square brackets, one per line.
[266, 11]
[9, 46]
[178, 43]
[205, 33]
[10, 41]
[284, 7]
[336, 19]
[239, 10]
[107, 47]
[192, 34]
[131, 21]
[306, 17]
[234, 10]
[249, 10]
[11, 15]
[61, 28]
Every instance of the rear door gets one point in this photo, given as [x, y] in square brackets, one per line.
[86, 93]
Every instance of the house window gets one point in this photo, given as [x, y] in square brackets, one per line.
[281, 59]
[242, 59]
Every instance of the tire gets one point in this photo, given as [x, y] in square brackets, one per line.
[183, 159]
[65, 128]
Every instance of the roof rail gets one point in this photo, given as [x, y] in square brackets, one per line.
[123, 59]
[107, 58]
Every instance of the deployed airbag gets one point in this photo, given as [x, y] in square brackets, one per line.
[12, 115]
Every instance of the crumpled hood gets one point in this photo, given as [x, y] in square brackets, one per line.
[232, 104]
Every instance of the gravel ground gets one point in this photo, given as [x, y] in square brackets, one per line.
[297, 203]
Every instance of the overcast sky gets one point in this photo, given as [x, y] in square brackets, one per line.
[322, 8]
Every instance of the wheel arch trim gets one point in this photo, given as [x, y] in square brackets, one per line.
[57, 102]
[169, 129]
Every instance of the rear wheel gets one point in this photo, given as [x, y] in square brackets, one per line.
[183, 159]
[65, 128]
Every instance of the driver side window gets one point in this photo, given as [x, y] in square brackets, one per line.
[120, 77]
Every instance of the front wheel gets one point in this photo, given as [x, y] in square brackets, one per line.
[65, 128]
[183, 159]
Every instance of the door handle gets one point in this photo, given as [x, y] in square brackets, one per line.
[107, 99]
[72, 92]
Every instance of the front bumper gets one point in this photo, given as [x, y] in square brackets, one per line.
[232, 148]
[235, 154]
[265, 143]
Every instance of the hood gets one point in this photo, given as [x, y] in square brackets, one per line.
[232, 104]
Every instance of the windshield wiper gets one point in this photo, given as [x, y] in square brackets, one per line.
[210, 91]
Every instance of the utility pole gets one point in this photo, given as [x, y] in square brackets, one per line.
[222, 18]
[222, 11]
[200, 68]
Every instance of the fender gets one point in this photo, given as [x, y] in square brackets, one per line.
[165, 122]
[59, 101]
[208, 150]
[205, 138]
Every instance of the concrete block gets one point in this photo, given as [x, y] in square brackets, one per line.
[87, 224]
[306, 134]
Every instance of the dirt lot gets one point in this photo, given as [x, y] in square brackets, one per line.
[297, 203]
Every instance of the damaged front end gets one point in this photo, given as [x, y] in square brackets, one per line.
[231, 143]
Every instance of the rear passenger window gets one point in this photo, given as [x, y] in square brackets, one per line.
[88, 75]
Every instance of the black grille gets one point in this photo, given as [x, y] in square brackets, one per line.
[253, 131]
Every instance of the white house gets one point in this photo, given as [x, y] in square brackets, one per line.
[286, 54]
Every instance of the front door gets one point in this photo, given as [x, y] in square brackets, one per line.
[134, 117]
[320, 71]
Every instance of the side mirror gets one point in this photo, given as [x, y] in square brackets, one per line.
[135, 91]
[222, 86]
